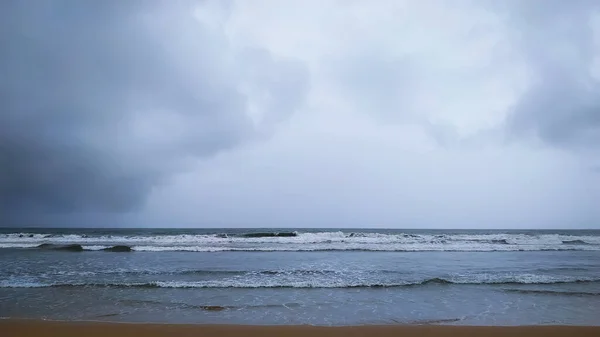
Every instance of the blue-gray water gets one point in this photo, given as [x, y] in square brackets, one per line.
[323, 277]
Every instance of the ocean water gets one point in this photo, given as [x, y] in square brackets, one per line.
[319, 277]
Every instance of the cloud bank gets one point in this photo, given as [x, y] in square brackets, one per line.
[102, 101]
[317, 113]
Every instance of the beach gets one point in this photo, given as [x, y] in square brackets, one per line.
[17, 328]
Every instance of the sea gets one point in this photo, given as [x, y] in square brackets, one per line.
[302, 276]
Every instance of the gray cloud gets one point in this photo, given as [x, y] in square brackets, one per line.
[100, 101]
[135, 114]
[556, 38]
[381, 85]
[555, 41]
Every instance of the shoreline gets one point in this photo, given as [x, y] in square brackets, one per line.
[40, 328]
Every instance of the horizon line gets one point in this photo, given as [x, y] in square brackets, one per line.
[292, 228]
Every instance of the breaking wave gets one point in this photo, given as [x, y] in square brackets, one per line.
[70, 248]
[307, 241]
[574, 242]
[279, 283]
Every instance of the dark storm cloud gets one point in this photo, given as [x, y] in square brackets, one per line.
[556, 38]
[100, 101]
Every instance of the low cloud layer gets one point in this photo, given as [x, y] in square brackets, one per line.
[315, 113]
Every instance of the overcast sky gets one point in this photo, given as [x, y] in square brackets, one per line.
[315, 113]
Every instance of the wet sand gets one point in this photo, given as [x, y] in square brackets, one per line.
[35, 328]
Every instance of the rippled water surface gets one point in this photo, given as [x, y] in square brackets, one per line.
[325, 277]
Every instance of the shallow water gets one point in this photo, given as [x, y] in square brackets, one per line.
[331, 277]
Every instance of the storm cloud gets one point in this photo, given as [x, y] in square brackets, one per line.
[317, 113]
[558, 40]
[103, 100]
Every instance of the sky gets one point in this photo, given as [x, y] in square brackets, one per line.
[315, 113]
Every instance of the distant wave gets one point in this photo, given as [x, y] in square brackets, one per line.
[574, 242]
[270, 283]
[118, 249]
[298, 248]
[80, 248]
[70, 248]
[269, 235]
[308, 241]
[350, 248]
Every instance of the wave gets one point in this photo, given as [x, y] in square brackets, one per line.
[574, 242]
[70, 248]
[355, 248]
[308, 241]
[181, 305]
[270, 283]
[551, 292]
[308, 237]
[292, 272]
[118, 249]
[300, 248]
[18, 245]
[197, 272]
[80, 248]
[209, 272]
[568, 269]
[269, 235]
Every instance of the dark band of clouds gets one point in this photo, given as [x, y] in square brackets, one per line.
[100, 101]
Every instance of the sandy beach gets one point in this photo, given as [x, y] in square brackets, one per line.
[17, 328]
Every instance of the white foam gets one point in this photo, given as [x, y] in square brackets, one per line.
[95, 247]
[181, 249]
[518, 278]
[362, 247]
[8, 284]
[315, 241]
[280, 282]
[18, 245]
